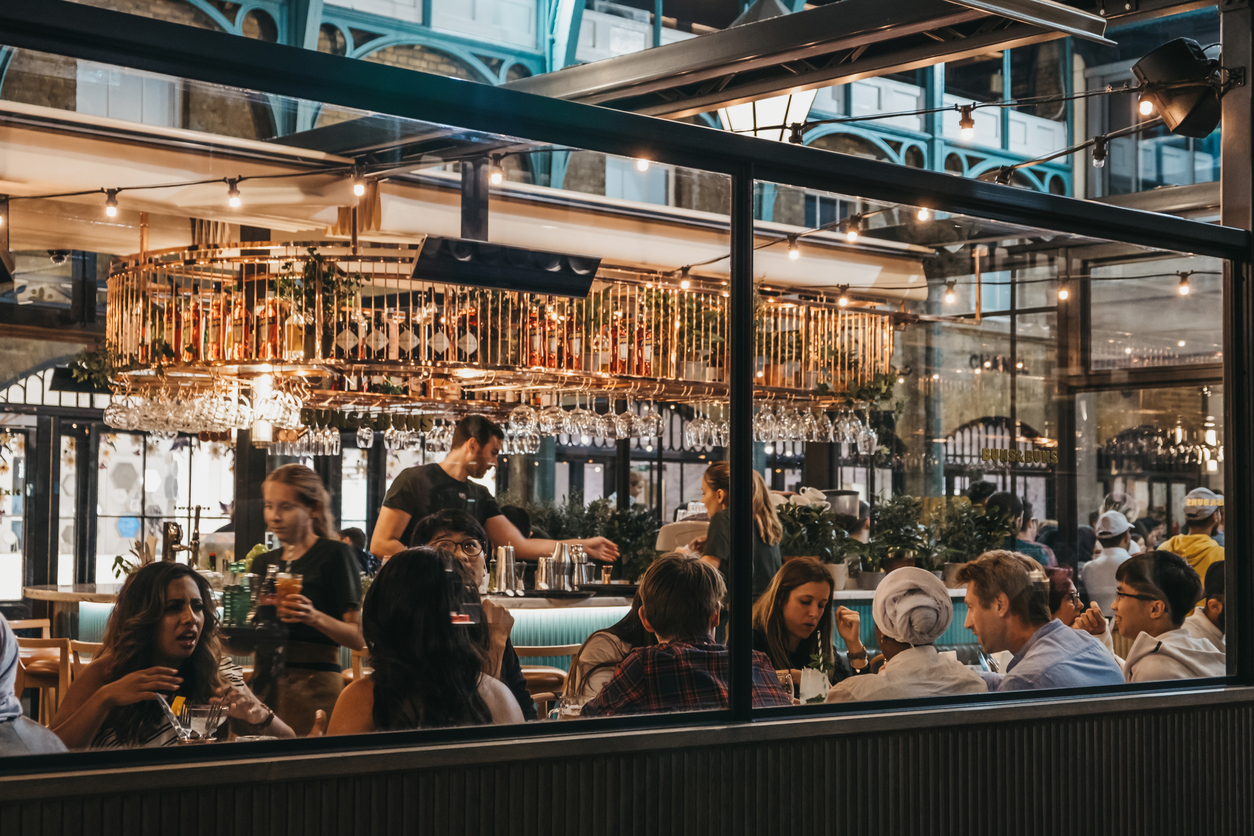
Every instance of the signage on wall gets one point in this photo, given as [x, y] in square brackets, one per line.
[1011, 455]
[994, 363]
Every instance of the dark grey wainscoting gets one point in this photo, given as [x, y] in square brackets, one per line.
[1170, 764]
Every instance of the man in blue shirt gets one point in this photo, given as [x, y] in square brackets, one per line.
[1008, 609]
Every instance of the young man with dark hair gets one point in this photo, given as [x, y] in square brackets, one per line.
[461, 535]
[355, 539]
[426, 489]
[1208, 620]
[1008, 609]
[1019, 517]
[1156, 591]
[681, 597]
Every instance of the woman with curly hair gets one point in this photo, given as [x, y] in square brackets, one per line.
[161, 642]
[428, 669]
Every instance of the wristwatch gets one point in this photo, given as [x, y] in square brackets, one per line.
[858, 660]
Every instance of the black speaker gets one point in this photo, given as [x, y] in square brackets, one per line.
[1179, 80]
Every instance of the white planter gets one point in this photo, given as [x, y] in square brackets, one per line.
[840, 574]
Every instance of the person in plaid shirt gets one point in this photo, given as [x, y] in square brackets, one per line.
[687, 670]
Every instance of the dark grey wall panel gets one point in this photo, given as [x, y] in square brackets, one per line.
[1170, 765]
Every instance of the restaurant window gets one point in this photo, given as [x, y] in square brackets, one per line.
[13, 498]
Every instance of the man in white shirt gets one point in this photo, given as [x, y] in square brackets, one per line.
[1156, 590]
[1114, 532]
[1207, 621]
[911, 611]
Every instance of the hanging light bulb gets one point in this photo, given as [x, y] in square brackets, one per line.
[924, 213]
[966, 121]
[1184, 288]
[232, 193]
[843, 301]
[1063, 292]
[359, 182]
[496, 174]
[851, 231]
[684, 283]
[794, 251]
[1146, 107]
[950, 296]
[1099, 151]
[111, 203]
[642, 164]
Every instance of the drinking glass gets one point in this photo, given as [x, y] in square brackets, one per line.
[365, 437]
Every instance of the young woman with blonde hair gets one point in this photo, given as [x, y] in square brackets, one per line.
[715, 547]
[324, 614]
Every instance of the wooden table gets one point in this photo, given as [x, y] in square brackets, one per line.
[63, 602]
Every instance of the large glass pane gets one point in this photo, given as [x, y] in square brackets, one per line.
[12, 510]
[930, 374]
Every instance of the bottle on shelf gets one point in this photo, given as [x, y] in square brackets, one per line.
[619, 345]
[573, 358]
[378, 336]
[468, 334]
[267, 600]
[213, 332]
[643, 342]
[535, 337]
[241, 331]
[294, 336]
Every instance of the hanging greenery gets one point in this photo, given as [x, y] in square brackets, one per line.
[94, 366]
[337, 284]
[896, 533]
[968, 530]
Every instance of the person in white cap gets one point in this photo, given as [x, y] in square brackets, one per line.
[911, 611]
[1204, 511]
[1114, 532]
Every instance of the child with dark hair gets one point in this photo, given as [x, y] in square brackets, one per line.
[681, 598]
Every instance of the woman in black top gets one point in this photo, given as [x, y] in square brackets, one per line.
[792, 622]
[324, 615]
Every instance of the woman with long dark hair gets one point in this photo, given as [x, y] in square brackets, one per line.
[594, 663]
[323, 615]
[428, 668]
[793, 621]
[160, 642]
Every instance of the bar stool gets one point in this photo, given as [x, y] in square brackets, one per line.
[80, 649]
[545, 682]
[358, 669]
[50, 674]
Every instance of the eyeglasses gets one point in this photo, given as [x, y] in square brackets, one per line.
[470, 548]
[1075, 598]
[1137, 597]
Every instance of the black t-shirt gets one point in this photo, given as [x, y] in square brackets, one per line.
[423, 490]
[765, 558]
[331, 579]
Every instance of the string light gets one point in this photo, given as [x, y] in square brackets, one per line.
[1099, 151]
[111, 203]
[950, 296]
[794, 251]
[359, 182]
[642, 164]
[1184, 288]
[684, 283]
[1146, 107]
[1063, 292]
[966, 121]
[843, 301]
[496, 175]
[924, 213]
[232, 193]
[851, 231]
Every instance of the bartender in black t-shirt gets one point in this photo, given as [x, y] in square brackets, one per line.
[421, 491]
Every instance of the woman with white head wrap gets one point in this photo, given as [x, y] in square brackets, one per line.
[18, 735]
[912, 610]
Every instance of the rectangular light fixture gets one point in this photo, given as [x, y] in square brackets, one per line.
[469, 262]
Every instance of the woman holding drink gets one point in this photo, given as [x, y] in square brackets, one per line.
[318, 594]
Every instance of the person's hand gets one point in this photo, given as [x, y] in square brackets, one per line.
[1091, 621]
[296, 609]
[321, 719]
[849, 626]
[598, 548]
[499, 621]
[698, 544]
[242, 704]
[148, 684]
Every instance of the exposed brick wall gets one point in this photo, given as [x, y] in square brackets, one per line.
[702, 191]
[586, 173]
[45, 80]
[414, 57]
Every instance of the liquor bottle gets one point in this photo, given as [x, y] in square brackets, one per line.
[362, 320]
[535, 337]
[241, 331]
[268, 326]
[174, 329]
[468, 334]
[267, 601]
[619, 345]
[574, 344]
[213, 333]
[191, 351]
[643, 344]
[601, 352]
[294, 337]
[552, 339]
[394, 335]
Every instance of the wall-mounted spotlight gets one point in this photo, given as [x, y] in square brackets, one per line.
[1183, 86]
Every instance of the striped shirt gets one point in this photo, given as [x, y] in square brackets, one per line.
[162, 732]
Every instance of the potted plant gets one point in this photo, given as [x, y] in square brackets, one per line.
[966, 532]
[810, 530]
[897, 537]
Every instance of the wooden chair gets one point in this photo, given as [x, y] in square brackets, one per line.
[80, 649]
[545, 683]
[49, 674]
[358, 669]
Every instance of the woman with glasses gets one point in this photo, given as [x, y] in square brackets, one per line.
[323, 616]
[1064, 601]
[461, 535]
